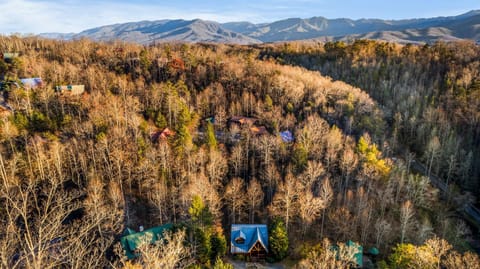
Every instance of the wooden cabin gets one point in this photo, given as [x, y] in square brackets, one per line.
[9, 56]
[70, 89]
[161, 135]
[250, 240]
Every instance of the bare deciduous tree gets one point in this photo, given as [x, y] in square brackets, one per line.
[285, 200]
[235, 198]
[406, 215]
[254, 198]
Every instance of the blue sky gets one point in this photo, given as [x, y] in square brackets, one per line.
[36, 16]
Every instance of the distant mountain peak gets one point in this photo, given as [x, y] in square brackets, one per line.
[464, 26]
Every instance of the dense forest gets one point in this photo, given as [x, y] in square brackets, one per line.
[192, 135]
[430, 96]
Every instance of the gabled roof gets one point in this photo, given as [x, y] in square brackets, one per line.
[161, 135]
[251, 234]
[286, 136]
[258, 130]
[32, 83]
[358, 255]
[132, 241]
[9, 55]
[357, 251]
[242, 120]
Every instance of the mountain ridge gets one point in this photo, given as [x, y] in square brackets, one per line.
[417, 30]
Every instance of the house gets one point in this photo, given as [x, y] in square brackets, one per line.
[258, 130]
[132, 240]
[9, 56]
[287, 136]
[32, 83]
[358, 256]
[249, 239]
[240, 120]
[70, 89]
[161, 135]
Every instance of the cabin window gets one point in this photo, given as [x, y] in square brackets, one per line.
[240, 240]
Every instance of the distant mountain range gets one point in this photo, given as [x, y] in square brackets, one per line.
[465, 26]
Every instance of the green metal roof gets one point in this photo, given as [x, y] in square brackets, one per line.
[358, 254]
[374, 251]
[132, 241]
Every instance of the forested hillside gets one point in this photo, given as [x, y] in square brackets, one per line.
[190, 135]
[430, 96]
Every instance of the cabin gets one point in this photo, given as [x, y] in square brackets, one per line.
[286, 136]
[258, 130]
[357, 253]
[177, 64]
[162, 135]
[358, 256]
[132, 240]
[70, 89]
[9, 56]
[31, 83]
[250, 240]
[240, 120]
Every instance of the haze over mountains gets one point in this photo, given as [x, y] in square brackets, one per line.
[465, 26]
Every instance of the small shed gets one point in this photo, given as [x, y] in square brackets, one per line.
[32, 83]
[287, 136]
[132, 240]
[70, 89]
[249, 239]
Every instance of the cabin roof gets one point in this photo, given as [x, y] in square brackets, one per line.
[9, 55]
[132, 241]
[251, 234]
[161, 134]
[31, 83]
[258, 130]
[242, 120]
[358, 251]
[287, 136]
